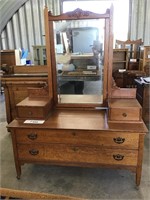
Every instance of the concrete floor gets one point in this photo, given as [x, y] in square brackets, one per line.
[88, 183]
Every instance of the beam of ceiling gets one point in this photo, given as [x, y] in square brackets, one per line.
[7, 9]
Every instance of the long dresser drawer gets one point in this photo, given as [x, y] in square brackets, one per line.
[77, 154]
[78, 137]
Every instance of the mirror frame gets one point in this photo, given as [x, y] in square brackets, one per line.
[79, 14]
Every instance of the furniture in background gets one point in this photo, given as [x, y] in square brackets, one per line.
[147, 69]
[129, 77]
[120, 59]
[119, 78]
[10, 57]
[143, 96]
[126, 79]
[133, 52]
[39, 53]
[16, 85]
[107, 131]
[144, 57]
[16, 89]
[120, 63]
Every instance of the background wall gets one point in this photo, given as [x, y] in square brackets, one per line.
[22, 22]
[25, 27]
[139, 20]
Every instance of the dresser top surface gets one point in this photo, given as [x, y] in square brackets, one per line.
[81, 120]
[124, 103]
[35, 102]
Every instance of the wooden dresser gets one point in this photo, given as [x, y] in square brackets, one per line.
[98, 129]
[79, 138]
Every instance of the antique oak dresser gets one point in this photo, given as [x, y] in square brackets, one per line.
[101, 129]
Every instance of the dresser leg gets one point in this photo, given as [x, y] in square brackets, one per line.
[138, 177]
[140, 159]
[18, 177]
[17, 163]
[18, 170]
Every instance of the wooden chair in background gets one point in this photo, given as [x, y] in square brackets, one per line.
[133, 47]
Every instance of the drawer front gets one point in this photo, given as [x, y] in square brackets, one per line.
[77, 154]
[108, 139]
[125, 114]
[30, 113]
[31, 152]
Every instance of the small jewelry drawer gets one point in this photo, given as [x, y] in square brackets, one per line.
[125, 114]
[124, 110]
[31, 108]
[30, 113]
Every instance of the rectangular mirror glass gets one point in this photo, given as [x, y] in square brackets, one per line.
[79, 53]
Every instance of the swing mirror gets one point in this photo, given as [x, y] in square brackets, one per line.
[79, 42]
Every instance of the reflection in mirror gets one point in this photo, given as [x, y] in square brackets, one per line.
[79, 48]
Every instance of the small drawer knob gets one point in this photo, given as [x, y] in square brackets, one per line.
[119, 140]
[124, 114]
[75, 149]
[34, 152]
[118, 157]
[32, 136]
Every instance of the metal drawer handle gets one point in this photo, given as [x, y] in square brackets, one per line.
[75, 149]
[119, 140]
[32, 136]
[74, 133]
[118, 157]
[34, 152]
[124, 114]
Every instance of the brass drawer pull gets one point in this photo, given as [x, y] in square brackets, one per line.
[118, 157]
[34, 152]
[119, 140]
[74, 133]
[32, 136]
[75, 149]
[124, 114]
